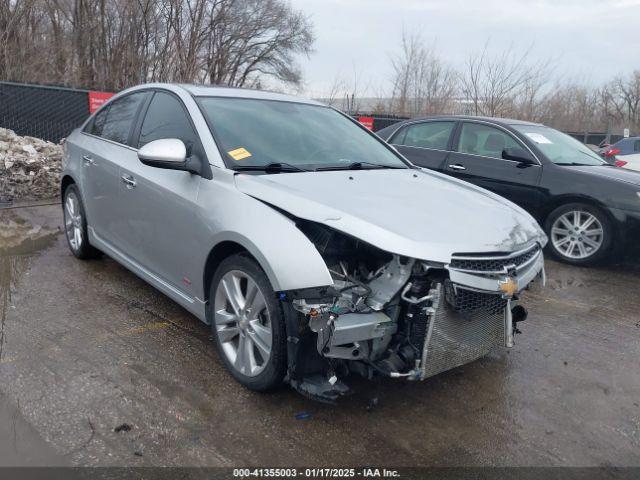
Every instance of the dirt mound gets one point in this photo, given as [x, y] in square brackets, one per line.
[29, 167]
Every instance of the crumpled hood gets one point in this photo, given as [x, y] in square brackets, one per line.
[414, 213]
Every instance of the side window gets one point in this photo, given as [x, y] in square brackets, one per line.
[427, 135]
[97, 124]
[167, 118]
[636, 146]
[480, 139]
[120, 117]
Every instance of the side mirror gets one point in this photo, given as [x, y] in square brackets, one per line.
[518, 155]
[169, 153]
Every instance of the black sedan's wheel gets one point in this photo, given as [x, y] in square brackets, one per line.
[75, 225]
[579, 234]
[248, 323]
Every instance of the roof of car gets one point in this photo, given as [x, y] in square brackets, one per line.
[232, 92]
[502, 121]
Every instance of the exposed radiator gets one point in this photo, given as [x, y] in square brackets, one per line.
[459, 338]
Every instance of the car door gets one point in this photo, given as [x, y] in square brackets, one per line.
[104, 148]
[477, 158]
[425, 143]
[158, 228]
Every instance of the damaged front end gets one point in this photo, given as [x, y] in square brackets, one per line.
[400, 317]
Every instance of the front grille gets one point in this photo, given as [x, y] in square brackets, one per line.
[458, 339]
[468, 302]
[491, 263]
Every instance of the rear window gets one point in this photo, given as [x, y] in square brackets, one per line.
[120, 118]
[425, 135]
[97, 124]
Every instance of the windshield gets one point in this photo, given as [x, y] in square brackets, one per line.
[560, 148]
[294, 135]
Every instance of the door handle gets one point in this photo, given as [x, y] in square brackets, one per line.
[88, 160]
[129, 181]
[457, 166]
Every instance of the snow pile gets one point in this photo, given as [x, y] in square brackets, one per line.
[29, 167]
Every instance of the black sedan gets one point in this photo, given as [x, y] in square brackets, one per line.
[586, 206]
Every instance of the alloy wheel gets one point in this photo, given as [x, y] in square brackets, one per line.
[577, 234]
[242, 323]
[73, 221]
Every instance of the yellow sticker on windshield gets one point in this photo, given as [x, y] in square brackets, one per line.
[239, 153]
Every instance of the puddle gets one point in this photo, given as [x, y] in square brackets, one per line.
[20, 237]
[19, 241]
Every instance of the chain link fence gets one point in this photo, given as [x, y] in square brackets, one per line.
[49, 113]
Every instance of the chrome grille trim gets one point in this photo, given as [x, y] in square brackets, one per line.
[499, 256]
[486, 264]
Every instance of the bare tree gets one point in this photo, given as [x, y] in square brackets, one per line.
[571, 106]
[336, 90]
[19, 20]
[423, 83]
[251, 39]
[493, 83]
[112, 44]
[623, 100]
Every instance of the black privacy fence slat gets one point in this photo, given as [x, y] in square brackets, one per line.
[50, 113]
[595, 138]
[380, 121]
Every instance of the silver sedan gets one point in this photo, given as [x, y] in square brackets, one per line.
[313, 249]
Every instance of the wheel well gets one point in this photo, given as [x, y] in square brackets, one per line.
[66, 181]
[215, 257]
[558, 202]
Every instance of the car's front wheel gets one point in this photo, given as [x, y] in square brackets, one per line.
[75, 225]
[579, 234]
[248, 323]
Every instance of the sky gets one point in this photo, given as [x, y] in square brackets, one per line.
[587, 40]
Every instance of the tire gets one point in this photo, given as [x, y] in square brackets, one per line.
[589, 244]
[75, 225]
[242, 328]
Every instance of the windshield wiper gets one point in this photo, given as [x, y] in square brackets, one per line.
[274, 167]
[576, 164]
[358, 166]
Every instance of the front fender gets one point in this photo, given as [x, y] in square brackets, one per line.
[289, 261]
[286, 255]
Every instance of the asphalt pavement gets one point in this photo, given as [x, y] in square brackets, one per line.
[97, 368]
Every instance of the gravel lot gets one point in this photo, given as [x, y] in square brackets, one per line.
[88, 347]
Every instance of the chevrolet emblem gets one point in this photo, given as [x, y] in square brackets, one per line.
[508, 287]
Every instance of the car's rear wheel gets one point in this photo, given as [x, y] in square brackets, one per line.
[248, 323]
[75, 225]
[579, 234]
